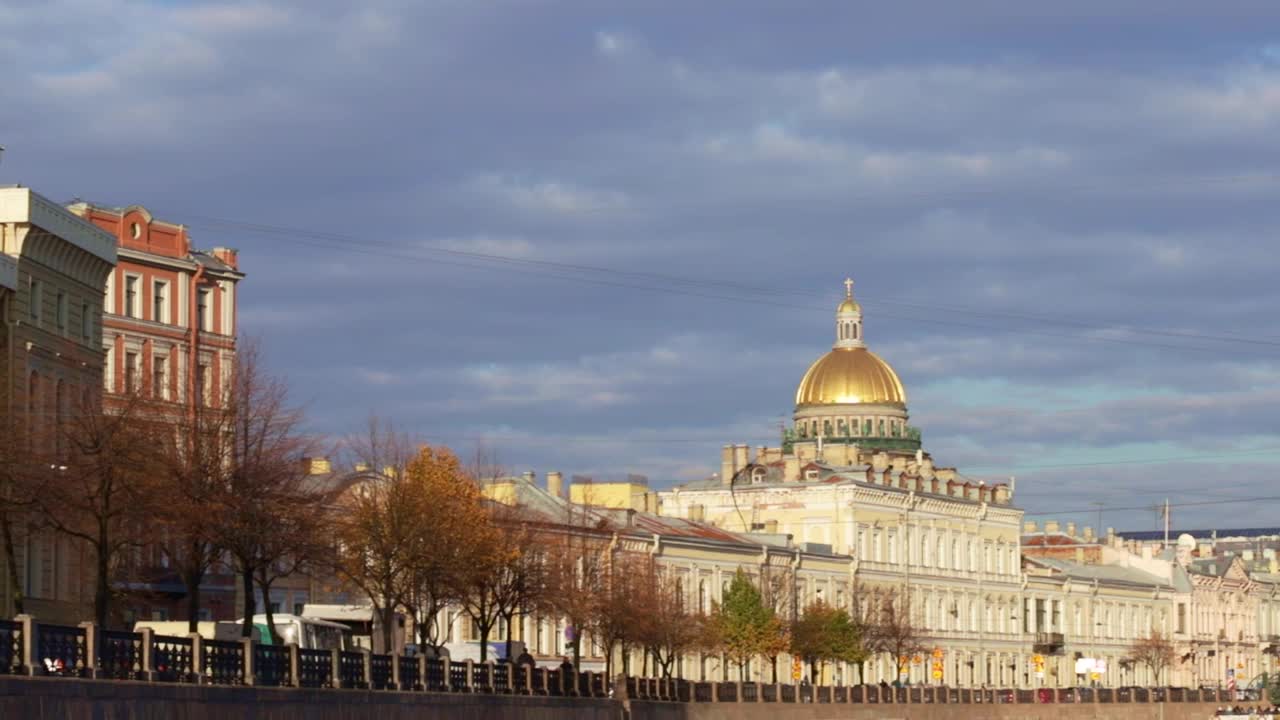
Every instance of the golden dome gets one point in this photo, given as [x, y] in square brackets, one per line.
[849, 305]
[848, 376]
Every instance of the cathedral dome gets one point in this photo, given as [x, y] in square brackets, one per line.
[850, 375]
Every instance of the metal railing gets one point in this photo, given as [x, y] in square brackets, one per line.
[85, 651]
[315, 668]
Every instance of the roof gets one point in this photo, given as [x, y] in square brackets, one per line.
[549, 508]
[827, 475]
[1202, 534]
[1112, 574]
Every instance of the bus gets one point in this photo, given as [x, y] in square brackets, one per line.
[307, 632]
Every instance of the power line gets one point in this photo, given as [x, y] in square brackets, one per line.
[687, 286]
[1139, 461]
[1200, 503]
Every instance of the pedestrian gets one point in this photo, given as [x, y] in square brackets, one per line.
[524, 658]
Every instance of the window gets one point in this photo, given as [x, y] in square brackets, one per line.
[108, 294]
[160, 301]
[132, 307]
[86, 322]
[160, 377]
[62, 311]
[130, 371]
[109, 370]
[1182, 617]
[204, 309]
[202, 383]
[37, 299]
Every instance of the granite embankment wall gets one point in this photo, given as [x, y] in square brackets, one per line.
[729, 711]
[64, 699]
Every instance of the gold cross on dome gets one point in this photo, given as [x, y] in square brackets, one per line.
[848, 287]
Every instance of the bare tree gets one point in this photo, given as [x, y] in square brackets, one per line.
[264, 481]
[97, 487]
[576, 565]
[664, 624]
[1155, 651]
[892, 627]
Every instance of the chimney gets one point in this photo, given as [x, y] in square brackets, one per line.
[230, 256]
[528, 476]
[1111, 536]
[697, 513]
[1071, 529]
[1088, 533]
[1029, 527]
[555, 483]
[771, 526]
[739, 457]
[1051, 527]
[726, 465]
[317, 465]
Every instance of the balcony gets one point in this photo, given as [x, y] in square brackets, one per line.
[1049, 643]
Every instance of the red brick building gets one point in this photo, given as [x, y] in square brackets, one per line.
[169, 331]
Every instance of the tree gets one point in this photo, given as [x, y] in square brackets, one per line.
[617, 613]
[825, 634]
[1155, 651]
[97, 487]
[893, 628]
[195, 465]
[576, 566]
[777, 590]
[264, 485]
[742, 626]
[521, 580]
[662, 623]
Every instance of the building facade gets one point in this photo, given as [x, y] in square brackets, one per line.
[169, 333]
[52, 269]
[169, 324]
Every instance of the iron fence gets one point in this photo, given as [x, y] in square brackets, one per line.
[61, 651]
[380, 673]
[222, 662]
[172, 659]
[119, 655]
[271, 666]
[410, 672]
[437, 678]
[750, 692]
[11, 643]
[351, 669]
[315, 668]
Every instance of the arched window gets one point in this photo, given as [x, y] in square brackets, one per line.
[826, 427]
[855, 331]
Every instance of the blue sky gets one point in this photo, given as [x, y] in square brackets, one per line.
[1061, 220]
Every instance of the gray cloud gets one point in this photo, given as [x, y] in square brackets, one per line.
[1019, 194]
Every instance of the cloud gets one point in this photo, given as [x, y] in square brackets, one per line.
[612, 44]
[548, 196]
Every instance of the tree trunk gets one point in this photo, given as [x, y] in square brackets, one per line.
[576, 646]
[11, 559]
[773, 660]
[388, 616]
[192, 578]
[246, 577]
[484, 641]
[271, 618]
[509, 623]
[102, 593]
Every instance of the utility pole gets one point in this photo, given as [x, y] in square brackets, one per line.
[1166, 522]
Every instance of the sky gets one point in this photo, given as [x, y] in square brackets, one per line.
[608, 238]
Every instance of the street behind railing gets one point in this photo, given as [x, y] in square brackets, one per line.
[86, 651]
